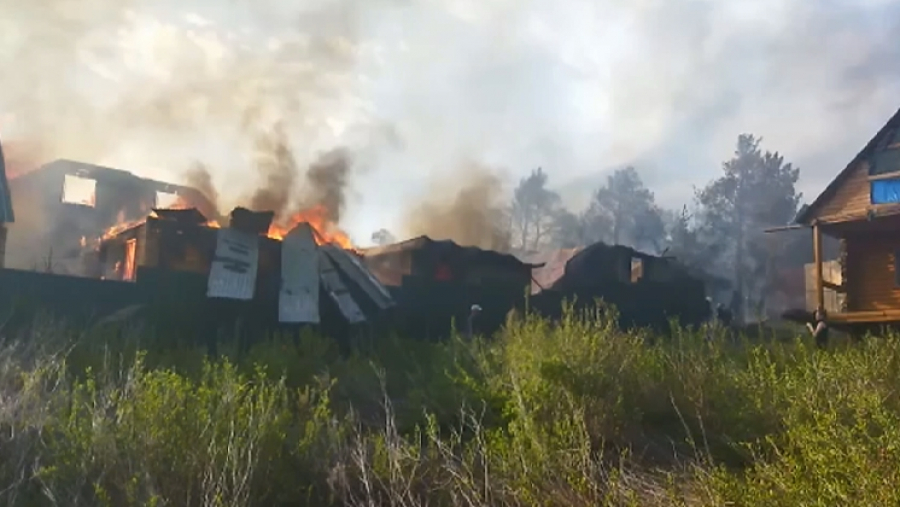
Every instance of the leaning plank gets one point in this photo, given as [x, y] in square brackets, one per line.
[232, 274]
[354, 269]
[338, 291]
[298, 298]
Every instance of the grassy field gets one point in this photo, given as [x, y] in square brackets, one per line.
[579, 414]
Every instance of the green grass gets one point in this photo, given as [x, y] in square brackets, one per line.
[579, 414]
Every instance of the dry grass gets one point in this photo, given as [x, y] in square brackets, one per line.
[578, 414]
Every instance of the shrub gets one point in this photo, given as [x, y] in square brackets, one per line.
[575, 413]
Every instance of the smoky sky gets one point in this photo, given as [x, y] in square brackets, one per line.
[413, 87]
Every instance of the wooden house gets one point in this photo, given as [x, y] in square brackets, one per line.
[861, 208]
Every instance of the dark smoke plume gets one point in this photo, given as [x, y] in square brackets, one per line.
[276, 163]
[471, 215]
[326, 182]
[198, 177]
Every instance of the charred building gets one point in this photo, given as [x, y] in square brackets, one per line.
[436, 282]
[646, 290]
[65, 204]
[239, 271]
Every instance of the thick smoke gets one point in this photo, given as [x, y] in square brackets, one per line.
[326, 183]
[576, 87]
[467, 209]
[276, 164]
[112, 82]
[283, 189]
[198, 177]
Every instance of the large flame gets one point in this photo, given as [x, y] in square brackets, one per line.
[324, 229]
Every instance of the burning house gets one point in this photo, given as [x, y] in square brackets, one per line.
[647, 290]
[159, 248]
[63, 205]
[292, 278]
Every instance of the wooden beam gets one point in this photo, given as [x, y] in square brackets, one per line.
[793, 227]
[885, 176]
[817, 259]
[866, 317]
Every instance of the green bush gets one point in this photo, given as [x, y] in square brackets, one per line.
[573, 414]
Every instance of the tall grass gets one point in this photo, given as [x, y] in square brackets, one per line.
[574, 414]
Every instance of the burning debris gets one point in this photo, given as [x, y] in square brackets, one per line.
[247, 260]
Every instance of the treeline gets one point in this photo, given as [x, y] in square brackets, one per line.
[719, 233]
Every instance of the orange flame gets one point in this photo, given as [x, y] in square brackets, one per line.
[324, 229]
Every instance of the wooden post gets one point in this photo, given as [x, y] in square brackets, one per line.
[817, 259]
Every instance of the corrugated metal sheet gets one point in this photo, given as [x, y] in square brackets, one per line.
[233, 271]
[6, 208]
[298, 299]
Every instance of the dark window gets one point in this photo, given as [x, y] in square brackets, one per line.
[886, 156]
[885, 191]
[637, 269]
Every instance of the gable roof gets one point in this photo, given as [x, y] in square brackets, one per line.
[807, 213]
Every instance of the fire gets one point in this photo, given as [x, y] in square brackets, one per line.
[121, 225]
[324, 229]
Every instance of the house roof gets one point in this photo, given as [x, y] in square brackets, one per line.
[6, 208]
[469, 253]
[805, 215]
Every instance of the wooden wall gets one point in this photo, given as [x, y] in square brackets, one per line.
[871, 281]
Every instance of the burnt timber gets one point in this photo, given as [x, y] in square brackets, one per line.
[166, 267]
[646, 290]
[436, 282]
[861, 208]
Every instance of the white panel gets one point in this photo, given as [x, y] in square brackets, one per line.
[338, 291]
[233, 271]
[298, 298]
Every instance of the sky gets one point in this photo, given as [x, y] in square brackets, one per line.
[416, 89]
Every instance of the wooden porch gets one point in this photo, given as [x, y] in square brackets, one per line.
[871, 226]
[829, 291]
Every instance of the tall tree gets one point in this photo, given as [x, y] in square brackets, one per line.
[570, 230]
[624, 211]
[533, 211]
[383, 237]
[755, 191]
